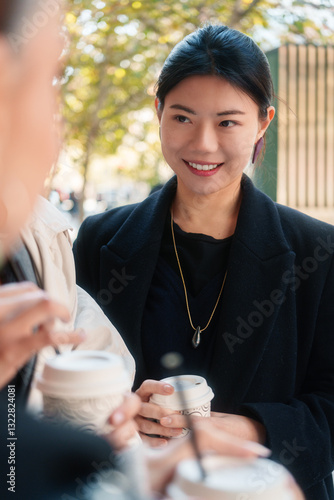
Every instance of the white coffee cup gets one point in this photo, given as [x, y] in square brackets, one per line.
[231, 479]
[197, 396]
[83, 388]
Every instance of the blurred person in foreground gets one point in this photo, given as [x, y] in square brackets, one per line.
[49, 462]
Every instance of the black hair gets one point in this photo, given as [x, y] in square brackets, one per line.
[221, 51]
[12, 13]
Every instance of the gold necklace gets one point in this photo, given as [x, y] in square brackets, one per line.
[197, 335]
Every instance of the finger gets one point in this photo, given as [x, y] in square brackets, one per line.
[175, 420]
[153, 442]
[211, 438]
[126, 411]
[121, 436]
[151, 410]
[14, 355]
[74, 337]
[19, 300]
[150, 387]
[42, 311]
[12, 289]
[149, 426]
[33, 307]
[218, 414]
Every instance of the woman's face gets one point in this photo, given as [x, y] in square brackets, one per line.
[28, 137]
[208, 132]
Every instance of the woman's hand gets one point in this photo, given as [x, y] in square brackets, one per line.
[236, 425]
[123, 422]
[27, 316]
[150, 414]
[240, 426]
[164, 423]
[162, 463]
[210, 438]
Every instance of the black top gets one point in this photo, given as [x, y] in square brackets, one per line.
[166, 326]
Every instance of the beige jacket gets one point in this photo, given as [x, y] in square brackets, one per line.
[49, 244]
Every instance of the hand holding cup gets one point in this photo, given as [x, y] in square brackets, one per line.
[163, 403]
[150, 414]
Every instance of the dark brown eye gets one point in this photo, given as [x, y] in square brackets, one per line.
[181, 119]
[226, 123]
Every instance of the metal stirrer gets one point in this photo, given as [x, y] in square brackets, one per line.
[172, 361]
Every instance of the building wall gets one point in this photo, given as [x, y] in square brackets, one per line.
[299, 161]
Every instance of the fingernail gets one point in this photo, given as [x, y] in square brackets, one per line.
[118, 418]
[168, 388]
[176, 432]
[165, 420]
[258, 448]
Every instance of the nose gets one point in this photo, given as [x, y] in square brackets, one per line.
[205, 138]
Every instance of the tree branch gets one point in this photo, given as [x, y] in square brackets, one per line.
[328, 5]
[238, 13]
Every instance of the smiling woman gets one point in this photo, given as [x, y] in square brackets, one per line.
[209, 266]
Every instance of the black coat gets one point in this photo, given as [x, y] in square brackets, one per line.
[274, 359]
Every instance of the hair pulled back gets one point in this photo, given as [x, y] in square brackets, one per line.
[224, 52]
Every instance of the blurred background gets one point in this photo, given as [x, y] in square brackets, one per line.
[114, 53]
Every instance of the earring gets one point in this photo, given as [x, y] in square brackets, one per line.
[257, 149]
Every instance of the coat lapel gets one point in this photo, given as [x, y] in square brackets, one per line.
[253, 294]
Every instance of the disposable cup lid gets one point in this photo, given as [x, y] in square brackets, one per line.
[195, 390]
[230, 477]
[81, 374]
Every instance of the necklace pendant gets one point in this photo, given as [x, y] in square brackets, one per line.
[196, 337]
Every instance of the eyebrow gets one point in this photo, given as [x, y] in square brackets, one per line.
[222, 113]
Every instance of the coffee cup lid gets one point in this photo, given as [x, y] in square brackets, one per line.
[195, 390]
[231, 478]
[81, 374]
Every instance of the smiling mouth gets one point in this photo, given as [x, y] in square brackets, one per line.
[199, 166]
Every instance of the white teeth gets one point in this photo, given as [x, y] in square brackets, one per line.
[203, 167]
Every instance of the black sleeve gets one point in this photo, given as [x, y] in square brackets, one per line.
[86, 257]
[300, 432]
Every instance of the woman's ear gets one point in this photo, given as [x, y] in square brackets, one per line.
[158, 108]
[264, 124]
